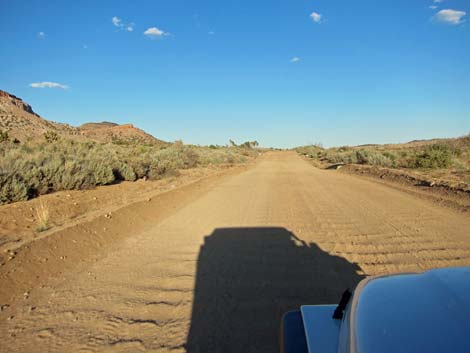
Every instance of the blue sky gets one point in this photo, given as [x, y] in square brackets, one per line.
[285, 73]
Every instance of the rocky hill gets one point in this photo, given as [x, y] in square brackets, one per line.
[112, 132]
[22, 123]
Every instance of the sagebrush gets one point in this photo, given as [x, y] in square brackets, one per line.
[29, 170]
[448, 154]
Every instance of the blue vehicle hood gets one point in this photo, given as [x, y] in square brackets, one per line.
[411, 313]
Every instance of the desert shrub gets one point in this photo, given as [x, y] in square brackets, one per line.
[189, 157]
[434, 156]
[311, 151]
[340, 157]
[12, 188]
[390, 155]
[51, 136]
[373, 158]
[4, 136]
[124, 171]
[32, 169]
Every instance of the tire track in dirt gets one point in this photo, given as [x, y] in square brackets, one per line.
[217, 274]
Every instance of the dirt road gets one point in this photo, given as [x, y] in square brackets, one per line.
[217, 273]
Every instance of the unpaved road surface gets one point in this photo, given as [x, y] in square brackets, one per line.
[217, 273]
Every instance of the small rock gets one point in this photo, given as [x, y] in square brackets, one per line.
[4, 307]
[26, 295]
[95, 198]
[10, 317]
[149, 199]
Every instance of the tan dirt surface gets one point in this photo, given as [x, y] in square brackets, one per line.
[19, 221]
[212, 266]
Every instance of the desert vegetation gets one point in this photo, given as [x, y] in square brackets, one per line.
[442, 158]
[35, 168]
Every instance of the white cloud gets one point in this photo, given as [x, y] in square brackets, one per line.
[154, 32]
[211, 33]
[117, 22]
[295, 59]
[433, 7]
[449, 16]
[41, 35]
[438, 1]
[316, 17]
[46, 84]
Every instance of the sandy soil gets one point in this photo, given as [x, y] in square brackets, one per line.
[211, 266]
[19, 221]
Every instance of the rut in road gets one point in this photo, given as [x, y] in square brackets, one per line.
[217, 275]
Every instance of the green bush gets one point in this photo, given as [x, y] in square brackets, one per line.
[340, 157]
[435, 156]
[373, 158]
[12, 188]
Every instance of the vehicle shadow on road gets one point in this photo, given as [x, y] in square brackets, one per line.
[248, 277]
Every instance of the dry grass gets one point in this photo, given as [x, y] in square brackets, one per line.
[42, 217]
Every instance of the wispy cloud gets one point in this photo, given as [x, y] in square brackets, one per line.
[438, 1]
[41, 35]
[47, 84]
[295, 59]
[154, 32]
[433, 7]
[316, 17]
[117, 22]
[452, 17]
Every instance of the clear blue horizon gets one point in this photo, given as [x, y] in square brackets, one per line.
[284, 73]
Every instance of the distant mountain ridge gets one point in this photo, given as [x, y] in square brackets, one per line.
[22, 123]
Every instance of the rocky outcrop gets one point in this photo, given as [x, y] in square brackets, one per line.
[9, 99]
[21, 122]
